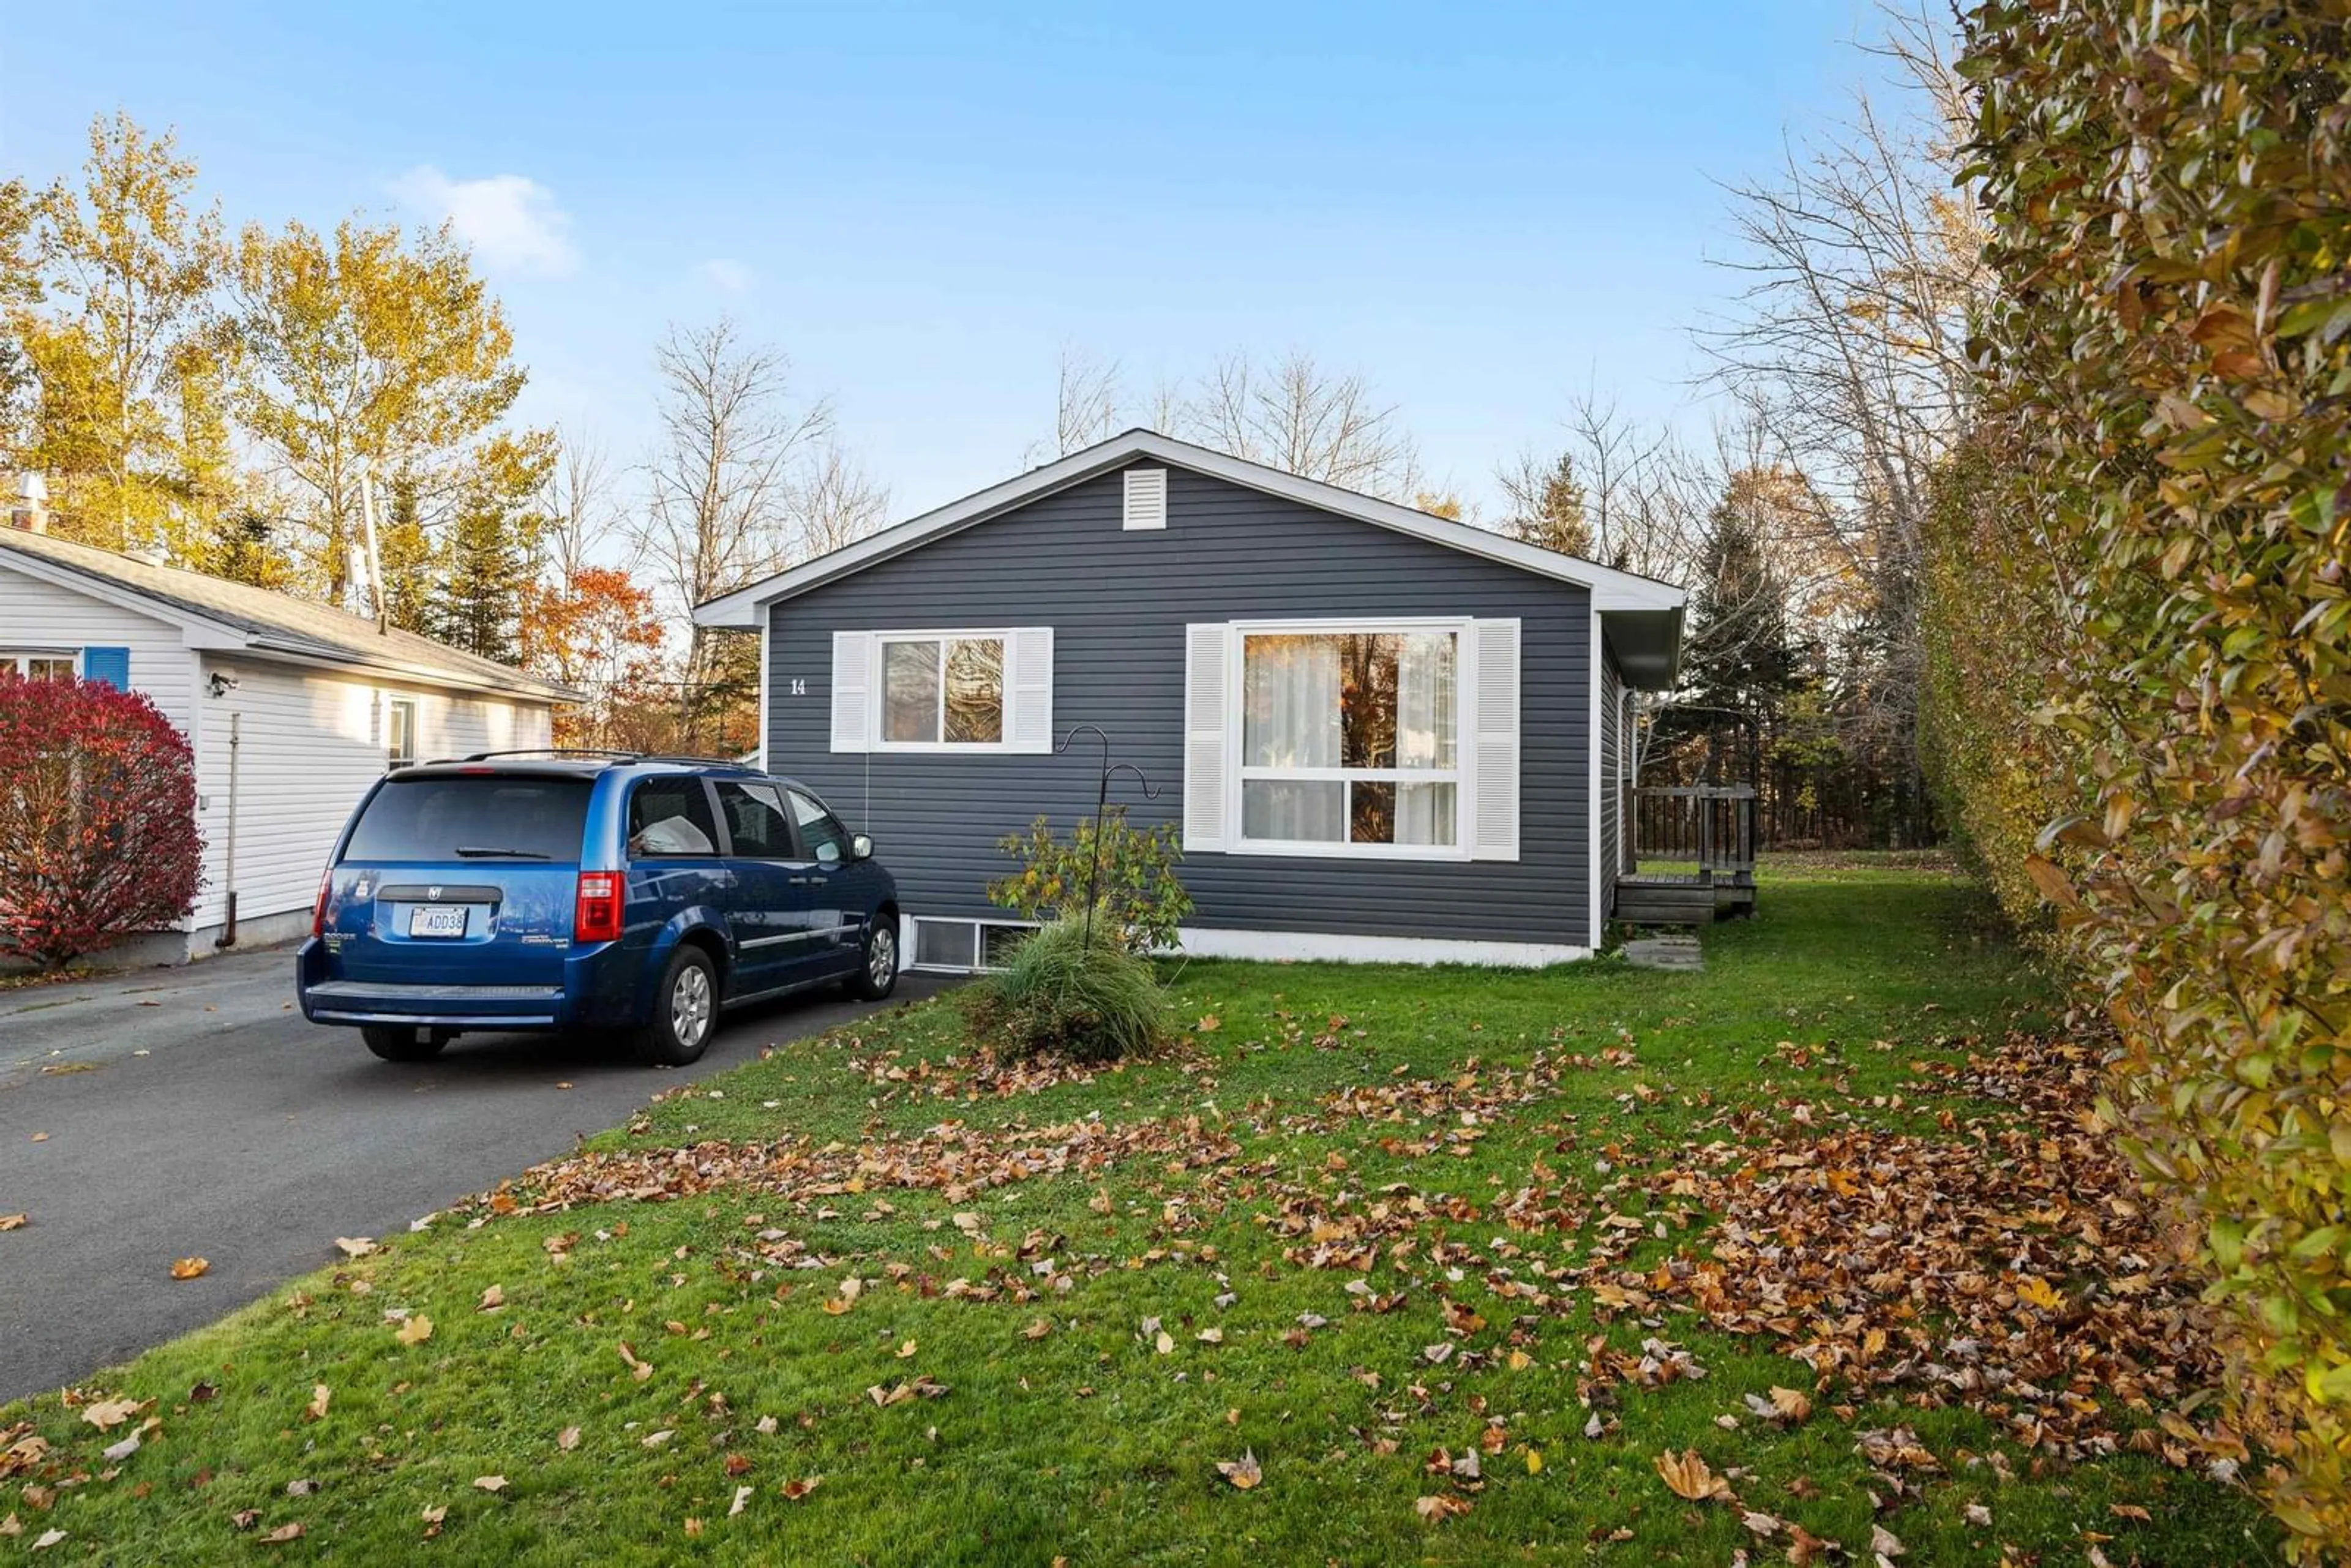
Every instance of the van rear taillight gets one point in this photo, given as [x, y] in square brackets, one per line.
[318, 911]
[596, 916]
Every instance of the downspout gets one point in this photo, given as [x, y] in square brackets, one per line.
[227, 938]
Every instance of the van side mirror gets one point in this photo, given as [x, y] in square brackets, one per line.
[861, 847]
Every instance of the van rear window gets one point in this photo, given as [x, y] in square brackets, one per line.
[480, 819]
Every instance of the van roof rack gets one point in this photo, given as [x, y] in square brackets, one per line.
[556, 752]
[614, 753]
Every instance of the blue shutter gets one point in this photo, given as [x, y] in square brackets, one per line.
[110, 665]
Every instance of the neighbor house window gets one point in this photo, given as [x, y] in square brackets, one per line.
[942, 691]
[39, 666]
[399, 732]
[1349, 741]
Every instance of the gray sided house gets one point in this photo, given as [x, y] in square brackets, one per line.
[1384, 735]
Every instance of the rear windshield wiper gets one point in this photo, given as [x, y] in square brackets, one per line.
[492, 851]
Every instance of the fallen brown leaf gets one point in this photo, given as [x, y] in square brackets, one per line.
[414, 1329]
[1244, 1472]
[490, 1483]
[189, 1268]
[12, 1221]
[567, 1439]
[316, 1409]
[795, 1490]
[109, 1413]
[1445, 1506]
[1690, 1477]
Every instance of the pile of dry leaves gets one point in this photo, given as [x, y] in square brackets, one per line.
[2005, 1262]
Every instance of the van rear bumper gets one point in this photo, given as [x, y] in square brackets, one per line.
[482, 1006]
[586, 999]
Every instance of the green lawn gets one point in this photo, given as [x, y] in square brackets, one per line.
[1474, 1245]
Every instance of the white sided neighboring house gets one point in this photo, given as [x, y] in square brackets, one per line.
[292, 708]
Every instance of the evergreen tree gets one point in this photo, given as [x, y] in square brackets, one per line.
[1547, 508]
[485, 563]
[1741, 663]
[244, 546]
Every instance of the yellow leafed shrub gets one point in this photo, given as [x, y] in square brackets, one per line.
[2168, 388]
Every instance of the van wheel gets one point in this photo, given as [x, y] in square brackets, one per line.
[685, 1011]
[877, 961]
[401, 1042]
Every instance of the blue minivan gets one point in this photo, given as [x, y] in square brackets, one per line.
[553, 890]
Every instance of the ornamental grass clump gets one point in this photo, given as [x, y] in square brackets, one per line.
[1072, 992]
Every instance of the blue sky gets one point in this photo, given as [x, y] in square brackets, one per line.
[1481, 208]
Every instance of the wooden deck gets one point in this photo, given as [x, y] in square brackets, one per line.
[1708, 828]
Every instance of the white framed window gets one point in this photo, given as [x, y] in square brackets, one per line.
[41, 663]
[965, 946]
[399, 732]
[1348, 739]
[941, 691]
[961, 691]
[1359, 738]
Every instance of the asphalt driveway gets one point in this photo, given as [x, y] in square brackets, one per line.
[172, 1113]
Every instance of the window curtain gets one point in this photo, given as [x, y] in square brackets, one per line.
[1426, 738]
[1290, 693]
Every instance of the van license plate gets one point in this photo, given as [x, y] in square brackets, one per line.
[437, 920]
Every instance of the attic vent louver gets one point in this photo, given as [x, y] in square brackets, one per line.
[1146, 498]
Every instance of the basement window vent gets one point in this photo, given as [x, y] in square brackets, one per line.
[1146, 498]
[965, 946]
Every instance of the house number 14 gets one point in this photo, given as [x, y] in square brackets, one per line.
[800, 687]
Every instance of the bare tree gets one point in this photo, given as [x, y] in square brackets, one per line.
[1863, 266]
[1086, 409]
[718, 512]
[835, 502]
[1299, 417]
[1166, 411]
[578, 503]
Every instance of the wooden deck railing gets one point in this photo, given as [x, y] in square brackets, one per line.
[1711, 825]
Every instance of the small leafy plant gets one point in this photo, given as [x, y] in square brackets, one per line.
[1089, 999]
[1138, 899]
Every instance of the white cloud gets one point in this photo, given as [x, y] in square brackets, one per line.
[511, 221]
[726, 275]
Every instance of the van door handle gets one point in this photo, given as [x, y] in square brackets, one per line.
[804, 881]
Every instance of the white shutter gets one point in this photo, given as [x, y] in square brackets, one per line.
[1146, 498]
[1492, 657]
[853, 691]
[1029, 690]
[1208, 663]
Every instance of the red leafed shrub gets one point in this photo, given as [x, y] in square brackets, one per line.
[98, 818]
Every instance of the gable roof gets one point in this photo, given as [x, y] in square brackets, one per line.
[214, 612]
[1643, 615]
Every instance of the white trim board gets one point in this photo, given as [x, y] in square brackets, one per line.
[1610, 590]
[1337, 947]
[1593, 674]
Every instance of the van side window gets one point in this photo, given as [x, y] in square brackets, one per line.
[827, 840]
[756, 824]
[670, 818]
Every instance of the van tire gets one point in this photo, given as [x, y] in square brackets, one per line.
[403, 1042]
[878, 952]
[684, 1012]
